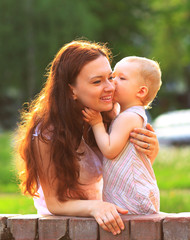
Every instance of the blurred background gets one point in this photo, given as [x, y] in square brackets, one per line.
[31, 32]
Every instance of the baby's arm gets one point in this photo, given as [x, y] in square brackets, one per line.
[112, 144]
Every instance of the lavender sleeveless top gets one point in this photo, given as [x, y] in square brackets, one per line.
[90, 176]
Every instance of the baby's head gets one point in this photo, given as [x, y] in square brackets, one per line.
[149, 75]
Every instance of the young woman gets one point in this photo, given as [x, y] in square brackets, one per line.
[61, 163]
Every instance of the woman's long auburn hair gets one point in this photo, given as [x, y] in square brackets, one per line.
[54, 113]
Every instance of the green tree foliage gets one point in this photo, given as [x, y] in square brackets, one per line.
[170, 38]
[31, 32]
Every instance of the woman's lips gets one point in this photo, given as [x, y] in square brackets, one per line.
[106, 98]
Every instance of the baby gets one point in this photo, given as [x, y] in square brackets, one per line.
[129, 179]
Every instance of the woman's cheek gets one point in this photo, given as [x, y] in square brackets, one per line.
[87, 99]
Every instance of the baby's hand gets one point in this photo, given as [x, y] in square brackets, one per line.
[91, 116]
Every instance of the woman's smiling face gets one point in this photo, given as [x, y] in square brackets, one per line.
[94, 86]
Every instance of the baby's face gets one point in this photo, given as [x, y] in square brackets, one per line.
[128, 81]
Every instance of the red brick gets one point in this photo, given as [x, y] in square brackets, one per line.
[124, 235]
[146, 227]
[4, 232]
[52, 227]
[137, 227]
[83, 228]
[3, 225]
[177, 227]
[23, 227]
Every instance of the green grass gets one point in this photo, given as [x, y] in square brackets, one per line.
[175, 201]
[16, 204]
[172, 170]
[7, 168]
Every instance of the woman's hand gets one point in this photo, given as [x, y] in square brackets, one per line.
[145, 141]
[107, 216]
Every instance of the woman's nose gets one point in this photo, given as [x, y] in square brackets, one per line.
[110, 86]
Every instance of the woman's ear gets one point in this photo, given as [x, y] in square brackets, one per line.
[73, 92]
[142, 92]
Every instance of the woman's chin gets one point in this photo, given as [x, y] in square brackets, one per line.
[102, 107]
[106, 108]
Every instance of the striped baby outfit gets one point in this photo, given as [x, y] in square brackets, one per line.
[129, 180]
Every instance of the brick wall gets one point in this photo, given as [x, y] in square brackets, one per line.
[153, 227]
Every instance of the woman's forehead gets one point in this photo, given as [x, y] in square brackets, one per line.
[97, 67]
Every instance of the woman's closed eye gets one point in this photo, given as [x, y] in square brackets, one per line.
[96, 82]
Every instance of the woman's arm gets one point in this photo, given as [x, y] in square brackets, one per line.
[106, 214]
[145, 141]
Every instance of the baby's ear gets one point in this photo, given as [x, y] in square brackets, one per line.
[142, 92]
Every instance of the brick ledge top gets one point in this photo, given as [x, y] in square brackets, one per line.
[127, 217]
[162, 226]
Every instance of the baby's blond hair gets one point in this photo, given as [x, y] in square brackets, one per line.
[151, 74]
